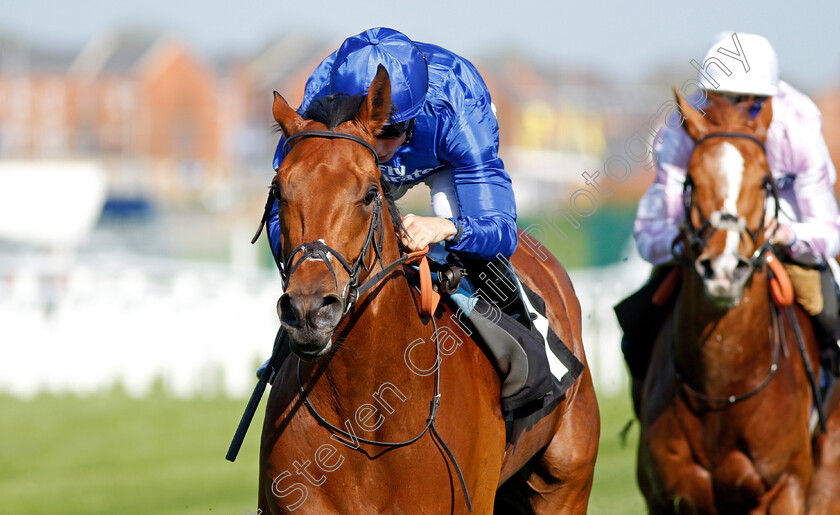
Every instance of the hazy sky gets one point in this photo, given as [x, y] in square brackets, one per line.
[623, 39]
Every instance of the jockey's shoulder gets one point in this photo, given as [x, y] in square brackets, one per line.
[454, 81]
[794, 106]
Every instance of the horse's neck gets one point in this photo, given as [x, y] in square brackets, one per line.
[718, 345]
[370, 342]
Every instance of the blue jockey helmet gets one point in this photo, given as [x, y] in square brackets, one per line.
[358, 58]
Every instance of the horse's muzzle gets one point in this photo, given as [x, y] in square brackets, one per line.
[724, 277]
[310, 321]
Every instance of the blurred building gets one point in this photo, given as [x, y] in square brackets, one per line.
[160, 119]
[828, 102]
[142, 105]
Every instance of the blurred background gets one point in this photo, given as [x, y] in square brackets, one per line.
[135, 153]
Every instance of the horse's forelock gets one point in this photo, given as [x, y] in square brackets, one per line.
[723, 115]
[333, 110]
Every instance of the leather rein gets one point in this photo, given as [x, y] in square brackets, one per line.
[353, 291]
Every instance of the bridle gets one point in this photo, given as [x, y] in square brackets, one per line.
[352, 291]
[698, 237]
[320, 251]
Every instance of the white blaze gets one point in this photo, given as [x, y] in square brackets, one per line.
[732, 170]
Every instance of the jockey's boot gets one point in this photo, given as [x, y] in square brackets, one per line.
[641, 320]
[827, 329]
[496, 282]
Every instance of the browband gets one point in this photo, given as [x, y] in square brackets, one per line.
[732, 135]
[330, 135]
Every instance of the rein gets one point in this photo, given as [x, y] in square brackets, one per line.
[429, 427]
[352, 291]
[698, 237]
[778, 329]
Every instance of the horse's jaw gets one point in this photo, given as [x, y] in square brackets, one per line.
[725, 300]
[724, 289]
[725, 293]
[310, 356]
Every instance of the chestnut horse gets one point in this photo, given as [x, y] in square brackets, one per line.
[824, 498]
[725, 406]
[374, 370]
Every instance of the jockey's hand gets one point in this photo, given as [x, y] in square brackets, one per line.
[778, 234]
[425, 230]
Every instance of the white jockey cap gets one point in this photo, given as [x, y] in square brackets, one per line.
[762, 78]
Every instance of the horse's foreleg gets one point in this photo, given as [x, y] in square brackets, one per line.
[670, 479]
[788, 500]
[688, 492]
[824, 498]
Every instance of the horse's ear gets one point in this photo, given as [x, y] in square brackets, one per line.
[695, 124]
[760, 123]
[290, 122]
[373, 115]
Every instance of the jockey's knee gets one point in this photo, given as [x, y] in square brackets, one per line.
[641, 319]
[827, 319]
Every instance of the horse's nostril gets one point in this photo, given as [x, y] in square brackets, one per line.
[327, 314]
[289, 311]
[704, 268]
[742, 269]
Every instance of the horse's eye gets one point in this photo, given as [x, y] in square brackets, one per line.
[275, 192]
[371, 195]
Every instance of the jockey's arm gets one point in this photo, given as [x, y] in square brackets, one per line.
[661, 208]
[817, 231]
[486, 224]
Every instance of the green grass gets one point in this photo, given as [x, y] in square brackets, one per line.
[615, 491]
[114, 454]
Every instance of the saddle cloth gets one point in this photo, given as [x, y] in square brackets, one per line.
[535, 366]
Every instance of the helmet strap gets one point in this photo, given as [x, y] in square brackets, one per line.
[409, 132]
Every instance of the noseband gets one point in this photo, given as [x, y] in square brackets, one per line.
[698, 237]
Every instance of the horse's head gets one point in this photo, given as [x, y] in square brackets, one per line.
[331, 205]
[727, 185]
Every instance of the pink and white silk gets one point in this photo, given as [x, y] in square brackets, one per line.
[800, 163]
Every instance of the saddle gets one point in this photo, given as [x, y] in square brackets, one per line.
[508, 320]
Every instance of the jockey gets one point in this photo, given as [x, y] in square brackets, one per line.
[808, 229]
[443, 131]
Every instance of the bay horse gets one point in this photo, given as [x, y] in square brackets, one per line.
[725, 405]
[368, 368]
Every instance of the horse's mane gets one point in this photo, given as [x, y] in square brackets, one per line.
[332, 111]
